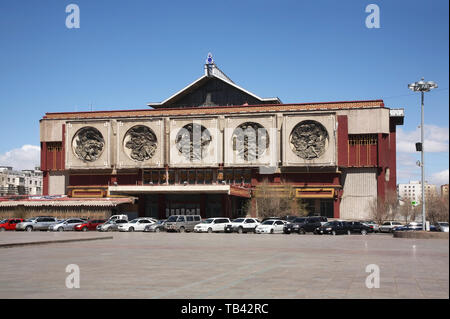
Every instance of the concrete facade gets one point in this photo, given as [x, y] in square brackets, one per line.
[356, 161]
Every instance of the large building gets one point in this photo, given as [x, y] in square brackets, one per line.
[208, 147]
[24, 182]
[412, 192]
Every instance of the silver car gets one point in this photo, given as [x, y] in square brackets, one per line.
[65, 225]
[442, 226]
[112, 225]
[36, 223]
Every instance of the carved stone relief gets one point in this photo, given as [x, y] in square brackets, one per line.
[140, 143]
[192, 141]
[88, 144]
[250, 140]
[309, 139]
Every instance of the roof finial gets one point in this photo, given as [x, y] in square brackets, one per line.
[209, 59]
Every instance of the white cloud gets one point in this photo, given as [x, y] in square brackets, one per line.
[26, 157]
[440, 178]
[436, 139]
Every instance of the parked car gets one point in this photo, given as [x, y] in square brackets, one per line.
[414, 226]
[296, 226]
[89, 225]
[212, 225]
[156, 227]
[242, 225]
[359, 228]
[302, 225]
[389, 227]
[117, 217]
[375, 227]
[10, 224]
[335, 227]
[441, 226]
[137, 224]
[66, 225]
[111, 225]
[270, 226]
[36, 223]
[182, 223]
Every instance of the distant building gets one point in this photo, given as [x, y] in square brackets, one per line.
[25, 182]
[412, 192]
[444, 190]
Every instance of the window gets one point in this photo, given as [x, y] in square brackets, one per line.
[190, 218]
[196, 218]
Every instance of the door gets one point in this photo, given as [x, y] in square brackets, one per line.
[278, 226]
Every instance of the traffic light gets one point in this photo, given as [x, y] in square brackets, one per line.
[419, 147]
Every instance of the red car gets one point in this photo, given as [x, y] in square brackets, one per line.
[89, 225]
[9, 224]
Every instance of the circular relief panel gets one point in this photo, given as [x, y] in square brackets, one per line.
[309, 139]
[88, 144]
[250, 140]
[192, 141]
[140, 143]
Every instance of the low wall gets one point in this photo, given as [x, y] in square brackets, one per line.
[421, 235]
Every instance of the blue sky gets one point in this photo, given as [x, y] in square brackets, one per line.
[128, 53]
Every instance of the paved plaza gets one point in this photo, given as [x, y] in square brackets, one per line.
[173, 265]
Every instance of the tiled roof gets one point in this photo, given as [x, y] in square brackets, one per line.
[217, 110]
[68, 202]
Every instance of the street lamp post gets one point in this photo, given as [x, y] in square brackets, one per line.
[422, 87]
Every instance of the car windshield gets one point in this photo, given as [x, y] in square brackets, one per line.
[238, 220]
[328, 224]
[3, 221]
[122, 221]
[31, 219]
[443, 224]
[268, 222]
[172, 219]
[208, 221]
[134, 221]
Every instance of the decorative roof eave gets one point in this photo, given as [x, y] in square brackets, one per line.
[206, 77]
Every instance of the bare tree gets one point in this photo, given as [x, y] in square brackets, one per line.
[383, 209]
[436, 208]
[274, 200]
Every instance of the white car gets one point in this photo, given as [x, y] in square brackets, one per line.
[243, 225]
[212, 225]
[270, 226]
[137, 224]
[389, 227]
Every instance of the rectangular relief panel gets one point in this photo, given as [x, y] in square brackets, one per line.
[140, 143]
[309, 140]
[194, 142]
[88, 144]
[250, 141]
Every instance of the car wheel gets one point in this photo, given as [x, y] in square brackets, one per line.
[131, 229]
[84, 229]
[181, 229]
[271, 231]
[363, 232]
[29, 228]
[2, 229]
[301, 231]
[109, 229]
[240, 231]
[333, 233]
[157, 230]
[209, 230]
[60, 229]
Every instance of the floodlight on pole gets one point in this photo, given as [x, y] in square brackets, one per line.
[422, 87]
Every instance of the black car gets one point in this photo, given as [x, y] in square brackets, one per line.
[359, 228]
[334, 228]
[302, 225]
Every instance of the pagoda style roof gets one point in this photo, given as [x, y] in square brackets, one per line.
[212, 89]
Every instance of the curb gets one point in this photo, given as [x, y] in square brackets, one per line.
[421, 235]
[11, 245]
